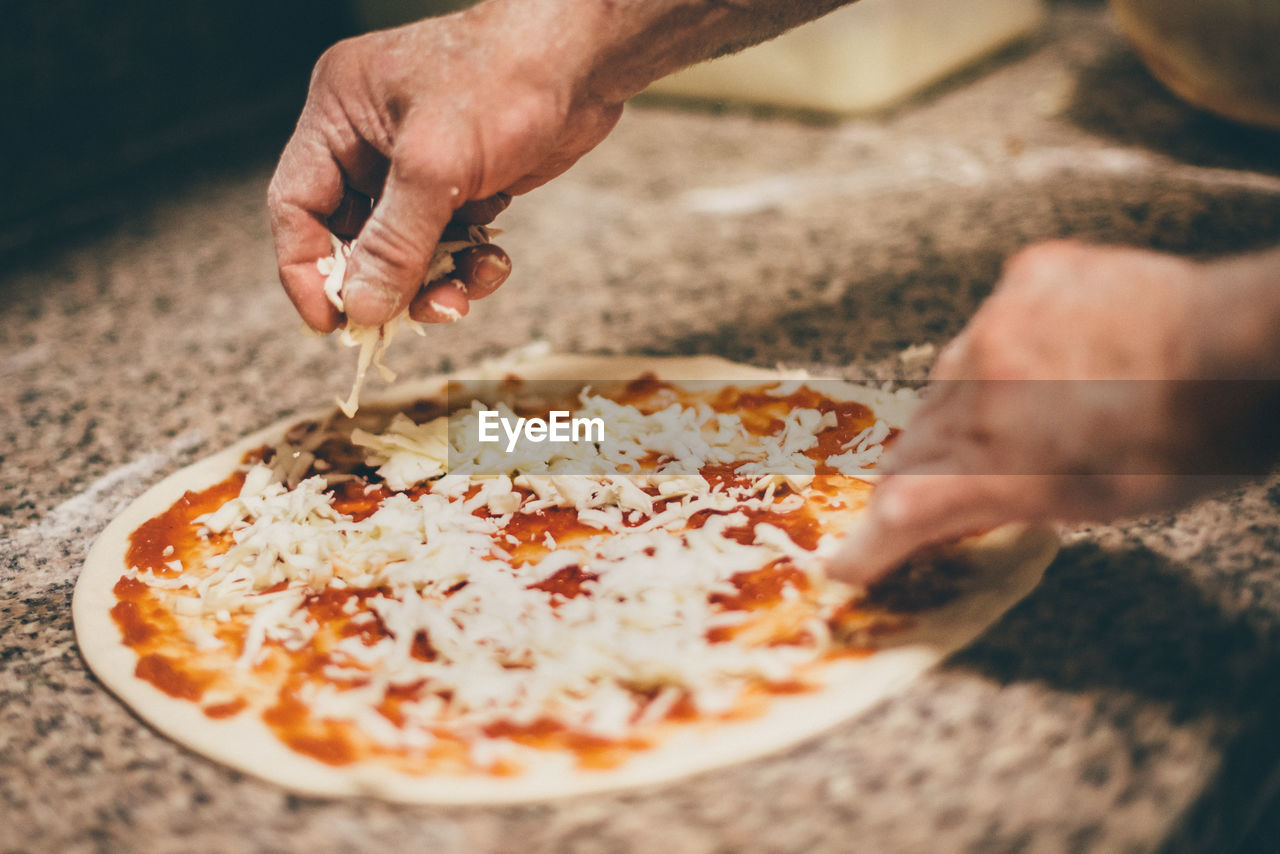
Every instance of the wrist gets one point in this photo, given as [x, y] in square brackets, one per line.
[613, 49]
[557, 49]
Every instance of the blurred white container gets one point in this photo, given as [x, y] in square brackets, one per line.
[861, 57]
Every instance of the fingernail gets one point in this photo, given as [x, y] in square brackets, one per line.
[491, 271]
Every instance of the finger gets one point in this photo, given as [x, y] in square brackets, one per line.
[927, 448]
[482, 211]
[305, 189]
[942, 419]
[934, 432]
[482, 269]
[909, 512]
[443, 301]
[350, 217]
[954, 362]
[391, 255]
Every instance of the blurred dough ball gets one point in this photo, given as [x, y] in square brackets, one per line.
[1221, 55]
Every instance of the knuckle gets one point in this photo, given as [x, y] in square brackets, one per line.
[900, 499]
[951, 362]
[389, 248]
[336, 61]
[1035, 261]
[326, 66]
[425, 156]
[413, 165]
[982, 345]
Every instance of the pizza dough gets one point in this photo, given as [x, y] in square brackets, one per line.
[1004, 565]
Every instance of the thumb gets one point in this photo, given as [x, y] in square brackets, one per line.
[390, 256]
[907, 513]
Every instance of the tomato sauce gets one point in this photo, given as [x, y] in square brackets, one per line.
[724, 474]
[226, 710]
[165, 537]
[128, 612]
[567, 582]
[763, 587]
[327, 741]
[761, 413]
[369, 630]
[647, 393]
[560, 522]
[355, 498]
[801, 525]
[396, 696]
[172, 677]
[592, 752]
[133, 625]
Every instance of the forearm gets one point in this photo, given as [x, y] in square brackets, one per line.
[615, 48]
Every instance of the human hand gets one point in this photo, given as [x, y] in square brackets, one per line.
[1079, 390]
[438, 123]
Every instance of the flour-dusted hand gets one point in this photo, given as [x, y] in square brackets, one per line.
[1094, 383]
[435, 122]
[408, 130]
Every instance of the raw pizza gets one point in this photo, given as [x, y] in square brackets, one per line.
[387, 606]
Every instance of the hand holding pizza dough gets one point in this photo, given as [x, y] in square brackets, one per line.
[443, 119]
[1095, 383]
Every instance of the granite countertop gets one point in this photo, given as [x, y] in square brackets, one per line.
[1129, 704]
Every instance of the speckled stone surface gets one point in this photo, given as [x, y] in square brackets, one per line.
[1130, 704]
